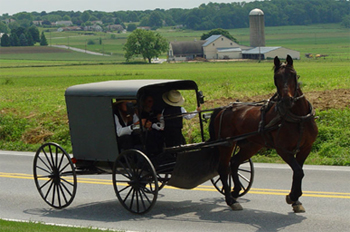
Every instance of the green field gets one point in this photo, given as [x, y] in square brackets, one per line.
[32, 106]
[10, 226]
[329, 39]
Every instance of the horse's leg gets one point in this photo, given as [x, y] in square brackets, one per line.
[297, 166]
[246, 151]
[224, 171]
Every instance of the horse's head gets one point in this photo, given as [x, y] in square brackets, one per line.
[286, 81]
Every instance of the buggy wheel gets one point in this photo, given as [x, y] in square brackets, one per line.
[135, 181]
[54, 175]
[245, 175]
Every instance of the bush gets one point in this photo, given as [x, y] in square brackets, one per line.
[90, 42]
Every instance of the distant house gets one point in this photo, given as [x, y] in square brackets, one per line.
[97, 22]
[64, 23]
[93, 28]
[115, 27]
[144, 28]
[69, 29]
[38, 23]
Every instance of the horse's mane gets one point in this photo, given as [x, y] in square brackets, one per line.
[211, 124]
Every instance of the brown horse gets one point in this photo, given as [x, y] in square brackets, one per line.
[285, 122]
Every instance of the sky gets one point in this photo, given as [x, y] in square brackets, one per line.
[15, 6]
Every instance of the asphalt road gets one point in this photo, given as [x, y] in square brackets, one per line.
[326, 199]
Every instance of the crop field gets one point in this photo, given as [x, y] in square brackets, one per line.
[32, 85]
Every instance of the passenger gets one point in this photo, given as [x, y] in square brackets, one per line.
[126, 122]
[173, 117]
[154, 125]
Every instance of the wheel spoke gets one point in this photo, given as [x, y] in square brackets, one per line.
[48, 191]
[66, 181]
[48, 167]
[243, 177]
[67, 190]
[61, 170]
[44, 169]
[42, 186]
[63, 194]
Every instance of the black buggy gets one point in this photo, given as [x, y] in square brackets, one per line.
[137, 175]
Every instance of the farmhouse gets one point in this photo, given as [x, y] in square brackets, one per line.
[64, 23]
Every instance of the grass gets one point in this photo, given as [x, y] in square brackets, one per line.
[33, 105]
[10, 226]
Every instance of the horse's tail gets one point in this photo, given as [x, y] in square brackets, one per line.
[211, 124]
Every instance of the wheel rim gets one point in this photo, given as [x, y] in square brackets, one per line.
[135, 182]
[54, 175]
[245, 175]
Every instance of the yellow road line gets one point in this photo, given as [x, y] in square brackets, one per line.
[198, 188]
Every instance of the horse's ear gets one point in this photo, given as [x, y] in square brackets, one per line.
[277, 62]
[289, 60]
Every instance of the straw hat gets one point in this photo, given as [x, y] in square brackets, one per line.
[173, 98]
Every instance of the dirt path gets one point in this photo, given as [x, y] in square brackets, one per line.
[321, 100]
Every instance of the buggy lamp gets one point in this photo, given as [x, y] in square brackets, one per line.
[74, 160]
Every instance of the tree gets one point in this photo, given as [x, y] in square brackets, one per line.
[14, 40]
[23, 40]
[85, 16]
[148, 44]
[4, 28]
[43, 41]
[5, 41]
[346, 21]
[131, 27]
[219, 31]
[33, 30]
[30, 41]
[155, 20]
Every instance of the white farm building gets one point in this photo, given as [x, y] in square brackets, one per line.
[220, 47]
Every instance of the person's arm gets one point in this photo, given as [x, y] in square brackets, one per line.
[188, 116]
[120, 129]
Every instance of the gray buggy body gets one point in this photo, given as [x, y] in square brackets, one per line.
[91, 118]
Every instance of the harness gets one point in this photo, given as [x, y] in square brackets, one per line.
[284, 115]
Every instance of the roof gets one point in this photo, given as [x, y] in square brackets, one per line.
[256, 11]
[187, 47]
[211, 39]
[125, 89]
[262, 50]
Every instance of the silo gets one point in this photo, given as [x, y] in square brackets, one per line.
[257, 28]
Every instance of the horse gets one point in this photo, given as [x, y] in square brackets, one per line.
[285, 122]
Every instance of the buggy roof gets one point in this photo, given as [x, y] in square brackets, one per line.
[126, 89]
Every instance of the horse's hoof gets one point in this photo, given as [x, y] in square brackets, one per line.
[298, 208]
[288, 200]
[236, 206]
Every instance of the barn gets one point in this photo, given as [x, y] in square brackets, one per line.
[214, 47]
[269, 53]
[185, 50]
